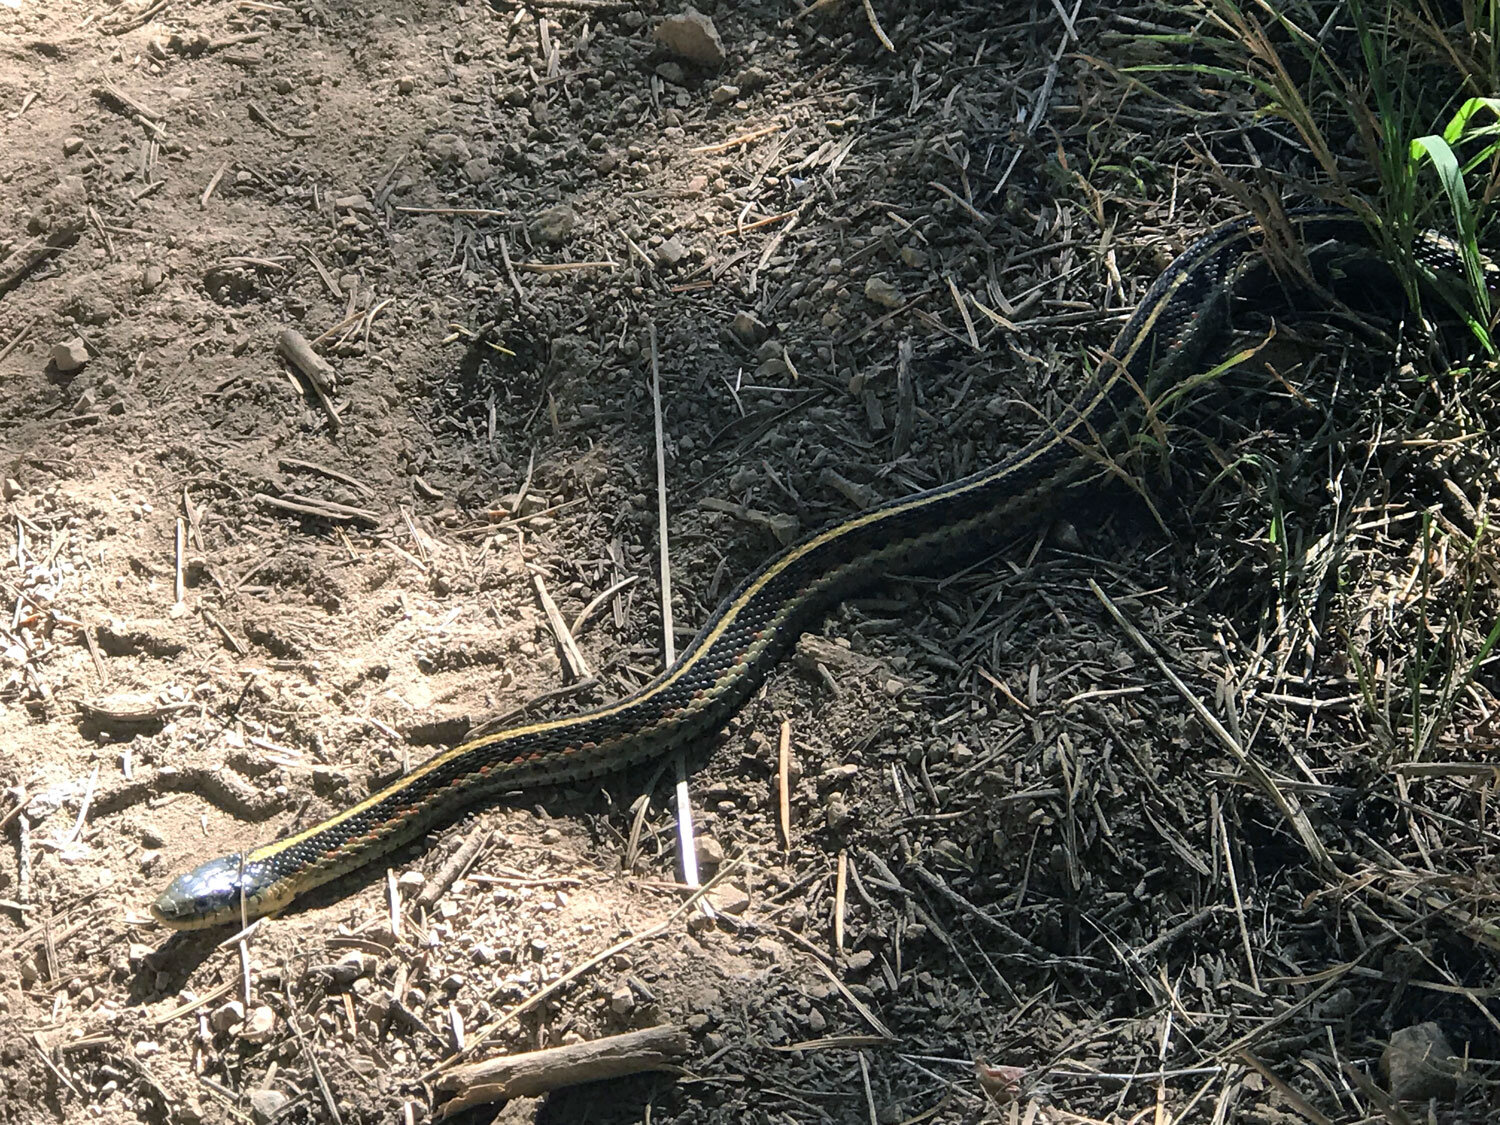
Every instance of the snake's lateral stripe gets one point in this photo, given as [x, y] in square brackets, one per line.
[1167, 336]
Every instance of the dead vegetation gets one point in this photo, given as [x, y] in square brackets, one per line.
[343, 345]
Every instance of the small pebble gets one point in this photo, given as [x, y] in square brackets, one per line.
[752, 78]
[710, 852]
[69, 355]
[265, 1104]
[670, 252]
[350, 967]
[748, 329]
[692, 36]
[554, 225]
[883, 293]
[622, 1001]
[1419, 1063]
[227, 1015]
[259, 1025]
[729, 899]
[671, 72]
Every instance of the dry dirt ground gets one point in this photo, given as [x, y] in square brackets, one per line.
[234, 607]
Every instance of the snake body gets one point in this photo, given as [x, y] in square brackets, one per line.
[1181, 317]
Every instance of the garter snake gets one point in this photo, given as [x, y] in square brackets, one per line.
[1181, 316]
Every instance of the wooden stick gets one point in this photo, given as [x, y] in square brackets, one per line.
[783, 783]
[26, 258]
[316, 370]
[450, 872]
[312, 506]
[536, 1072]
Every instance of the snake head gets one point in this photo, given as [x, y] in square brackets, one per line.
[209, 895]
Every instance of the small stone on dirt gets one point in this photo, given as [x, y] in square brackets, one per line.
[883, 293]
[671, 72]
[61, 206]
[670, 252]
[227, 1015]
[1419, 1063]
[622, 1001]
[697, 1023]
[72, 145]
[748, 329]
[554, 225]
[752, 78]
[860, 961]
[710, 852]
[259, 1026]
[265, 1104]
[729, 899]
[350, 967]
[447, 148]
[723, 95]
[410, 882]
[692, 36]
[405, 84]
[70, 355]
[353, 203]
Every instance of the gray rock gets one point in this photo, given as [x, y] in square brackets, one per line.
[671, 72]
[227, 1015]
[670, 252]
[447, 148]
[748, 329]
[259, 1026]
[554, 225]
[883, 293]
[710, 852]
[622, 1001]
[1419, 1063]
[692, 36]
[265, 1104]
[752, 78]
[70, 355]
